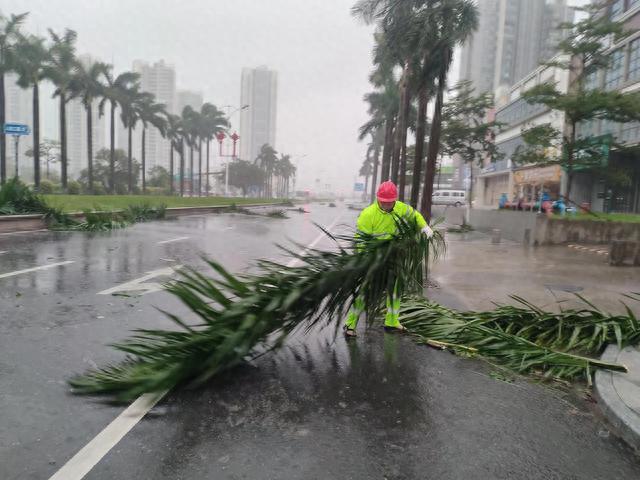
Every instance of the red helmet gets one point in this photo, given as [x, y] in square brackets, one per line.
[387, 192]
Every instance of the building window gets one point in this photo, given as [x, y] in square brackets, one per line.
[630, 133]
[592, 81]
[634, 58]
[616, 8]
[615, 71]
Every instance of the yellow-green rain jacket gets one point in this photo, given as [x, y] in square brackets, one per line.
[375, 221]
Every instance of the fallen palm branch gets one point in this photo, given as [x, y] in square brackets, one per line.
[240, 316]
[525, 338]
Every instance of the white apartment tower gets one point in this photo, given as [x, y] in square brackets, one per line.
[160, 80]
[19, 109]
[259, 90]
[513, 37]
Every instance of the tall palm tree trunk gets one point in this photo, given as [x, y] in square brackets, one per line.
[386, 152]
[421, 133]
[143, 154]
[3, 138]
[90, 146]
[130, 159]
[112, 150]
[200, 168]
[191, 169]
[182, 168]
[401, 126]
[374, 175]
[208, 186]
[434, 140]
[171, 167]
[63, 140]
[36, 135]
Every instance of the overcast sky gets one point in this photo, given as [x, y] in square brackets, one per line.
[321, 53]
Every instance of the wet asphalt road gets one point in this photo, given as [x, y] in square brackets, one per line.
[380, 407]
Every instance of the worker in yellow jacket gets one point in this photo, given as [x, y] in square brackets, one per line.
[378, 219]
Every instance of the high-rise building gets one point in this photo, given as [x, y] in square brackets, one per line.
[188, 98]
[259, 90]
[160, 80]
[513, 37]
[77, 130]
[19, 110]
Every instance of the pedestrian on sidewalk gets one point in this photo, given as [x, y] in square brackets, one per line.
[379, 219]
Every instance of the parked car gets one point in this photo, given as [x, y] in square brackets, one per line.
[449, 197]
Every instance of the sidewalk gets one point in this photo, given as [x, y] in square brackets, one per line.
[619, 393]
[475, 273]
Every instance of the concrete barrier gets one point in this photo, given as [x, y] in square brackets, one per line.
[512, 225]
[19, 223]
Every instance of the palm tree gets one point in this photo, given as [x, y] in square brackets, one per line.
[129, 115]
[114, 93]
[87, 85]
[173, 133]
[366, 170]
[383, 108]
[266, 160]
[60, 71]
[9, 36]
[452, 23]
[395, 46]
[31, 57]
[150, 113]
[215, 122]
[191, 126]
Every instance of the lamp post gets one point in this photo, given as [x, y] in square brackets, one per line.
[234, 138]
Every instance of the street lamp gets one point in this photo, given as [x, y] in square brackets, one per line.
[234, 137]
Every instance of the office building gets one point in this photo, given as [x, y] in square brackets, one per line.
[513, 37]
[259, 90]
[159, 79]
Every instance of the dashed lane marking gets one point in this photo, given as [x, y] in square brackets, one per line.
[35, 269]
[179, 239]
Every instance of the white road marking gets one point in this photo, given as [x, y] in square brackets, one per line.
[89, 456]
[35, 269]
[179, 239]
[2, 251]
[83, 461]
[140, 285]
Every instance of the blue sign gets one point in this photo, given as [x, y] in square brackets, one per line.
[16, 129]
[358, 187]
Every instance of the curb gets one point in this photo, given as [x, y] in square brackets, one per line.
[33, 222]
[625, 420]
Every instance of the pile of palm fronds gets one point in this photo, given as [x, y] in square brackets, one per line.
[241, 315]
[98, 220]
[276, 214]
[17, 198]
[525, 338]
[143, 213]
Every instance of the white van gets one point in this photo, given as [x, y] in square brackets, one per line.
[449, 197]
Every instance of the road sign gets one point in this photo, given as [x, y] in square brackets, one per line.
[358, 187]
[16, 129]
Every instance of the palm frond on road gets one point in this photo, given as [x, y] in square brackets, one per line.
[525, 338]
[239, 316]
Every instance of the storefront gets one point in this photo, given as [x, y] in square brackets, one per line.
[530, 183]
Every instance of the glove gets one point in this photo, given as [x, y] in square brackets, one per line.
[427, 231]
